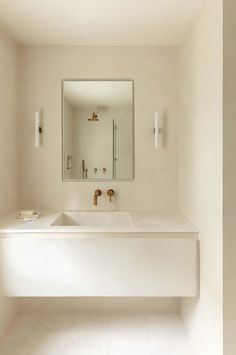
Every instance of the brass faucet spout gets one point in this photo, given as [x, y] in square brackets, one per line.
[97, 193]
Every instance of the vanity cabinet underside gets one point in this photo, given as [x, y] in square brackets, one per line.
[99, 266]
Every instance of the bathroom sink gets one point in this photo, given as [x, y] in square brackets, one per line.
[93, 219]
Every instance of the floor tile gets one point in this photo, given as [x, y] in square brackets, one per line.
[95, 334]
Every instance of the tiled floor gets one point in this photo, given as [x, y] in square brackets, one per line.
[95, 334]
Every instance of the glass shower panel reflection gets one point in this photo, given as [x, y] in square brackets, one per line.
[122, 144]
[92, 144]
[114, 158]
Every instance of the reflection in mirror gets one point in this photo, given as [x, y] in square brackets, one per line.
[98, 136]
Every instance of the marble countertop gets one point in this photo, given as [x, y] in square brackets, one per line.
[147, 221]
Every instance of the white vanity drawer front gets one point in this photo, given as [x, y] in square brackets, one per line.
[103, 266]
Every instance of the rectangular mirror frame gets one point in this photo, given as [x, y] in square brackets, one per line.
[62, 130]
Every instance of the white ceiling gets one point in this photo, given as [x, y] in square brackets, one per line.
[98, 93]
[98, 22]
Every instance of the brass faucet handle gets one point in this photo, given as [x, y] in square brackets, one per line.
[110, 193]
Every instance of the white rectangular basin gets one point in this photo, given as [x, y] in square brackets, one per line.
[93, 219]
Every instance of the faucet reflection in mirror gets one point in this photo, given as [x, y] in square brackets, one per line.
[97, 123]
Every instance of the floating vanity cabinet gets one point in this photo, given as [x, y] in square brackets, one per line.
[99, 265]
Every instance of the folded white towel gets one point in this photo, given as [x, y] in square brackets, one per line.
[28, 215]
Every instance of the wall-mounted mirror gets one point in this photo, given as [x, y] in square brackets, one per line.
[98, 129]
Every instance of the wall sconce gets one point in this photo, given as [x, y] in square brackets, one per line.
[157, 130]
[38, 129]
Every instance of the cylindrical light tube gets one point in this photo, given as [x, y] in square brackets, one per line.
[37, 129]
[156, 129]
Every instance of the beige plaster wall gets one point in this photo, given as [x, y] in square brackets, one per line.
[155, 74]
[201, 170]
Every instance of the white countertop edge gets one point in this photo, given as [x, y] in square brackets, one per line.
[100, 235]
[148, 222]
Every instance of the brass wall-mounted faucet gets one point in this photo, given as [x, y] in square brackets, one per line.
[110, 193]
[97, 193]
